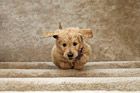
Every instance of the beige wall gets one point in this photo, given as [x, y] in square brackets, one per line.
[115, 24]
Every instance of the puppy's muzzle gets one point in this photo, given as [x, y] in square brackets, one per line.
[70, 55]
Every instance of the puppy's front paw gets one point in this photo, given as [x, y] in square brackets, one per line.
[79, 64]
[65, 65]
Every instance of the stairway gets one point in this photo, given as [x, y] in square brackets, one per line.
[44, 76]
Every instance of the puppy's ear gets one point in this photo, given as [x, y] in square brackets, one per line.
[49, 34]
[87, 33]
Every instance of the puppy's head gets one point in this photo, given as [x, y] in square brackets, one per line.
[70, 41]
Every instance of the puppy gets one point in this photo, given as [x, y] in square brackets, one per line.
[70, 51]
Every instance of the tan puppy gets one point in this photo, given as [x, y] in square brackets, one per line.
[70, 51]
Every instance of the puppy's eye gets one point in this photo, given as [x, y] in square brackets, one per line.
[64, 45]
[74, 44]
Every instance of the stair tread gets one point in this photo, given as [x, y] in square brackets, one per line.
[39, 84]
[135, 72]
[37, 76]
[50, 65]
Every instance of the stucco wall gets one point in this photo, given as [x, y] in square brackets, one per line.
[115, 24]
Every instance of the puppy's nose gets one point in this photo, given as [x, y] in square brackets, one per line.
[70, 55]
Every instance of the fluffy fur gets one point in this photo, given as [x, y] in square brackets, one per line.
[70, 40]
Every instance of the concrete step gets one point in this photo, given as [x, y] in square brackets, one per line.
[50, 65]
[70, 84]
[22, 73]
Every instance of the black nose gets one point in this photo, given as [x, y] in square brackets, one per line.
[70, 55]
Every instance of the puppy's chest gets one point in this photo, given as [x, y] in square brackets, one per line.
[70, 61]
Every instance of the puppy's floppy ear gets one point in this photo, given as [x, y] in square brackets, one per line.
[86, 33]
[54, 34]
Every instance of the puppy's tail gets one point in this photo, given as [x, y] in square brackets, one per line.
[60, 27]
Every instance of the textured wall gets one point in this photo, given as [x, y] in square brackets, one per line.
[116, 26]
